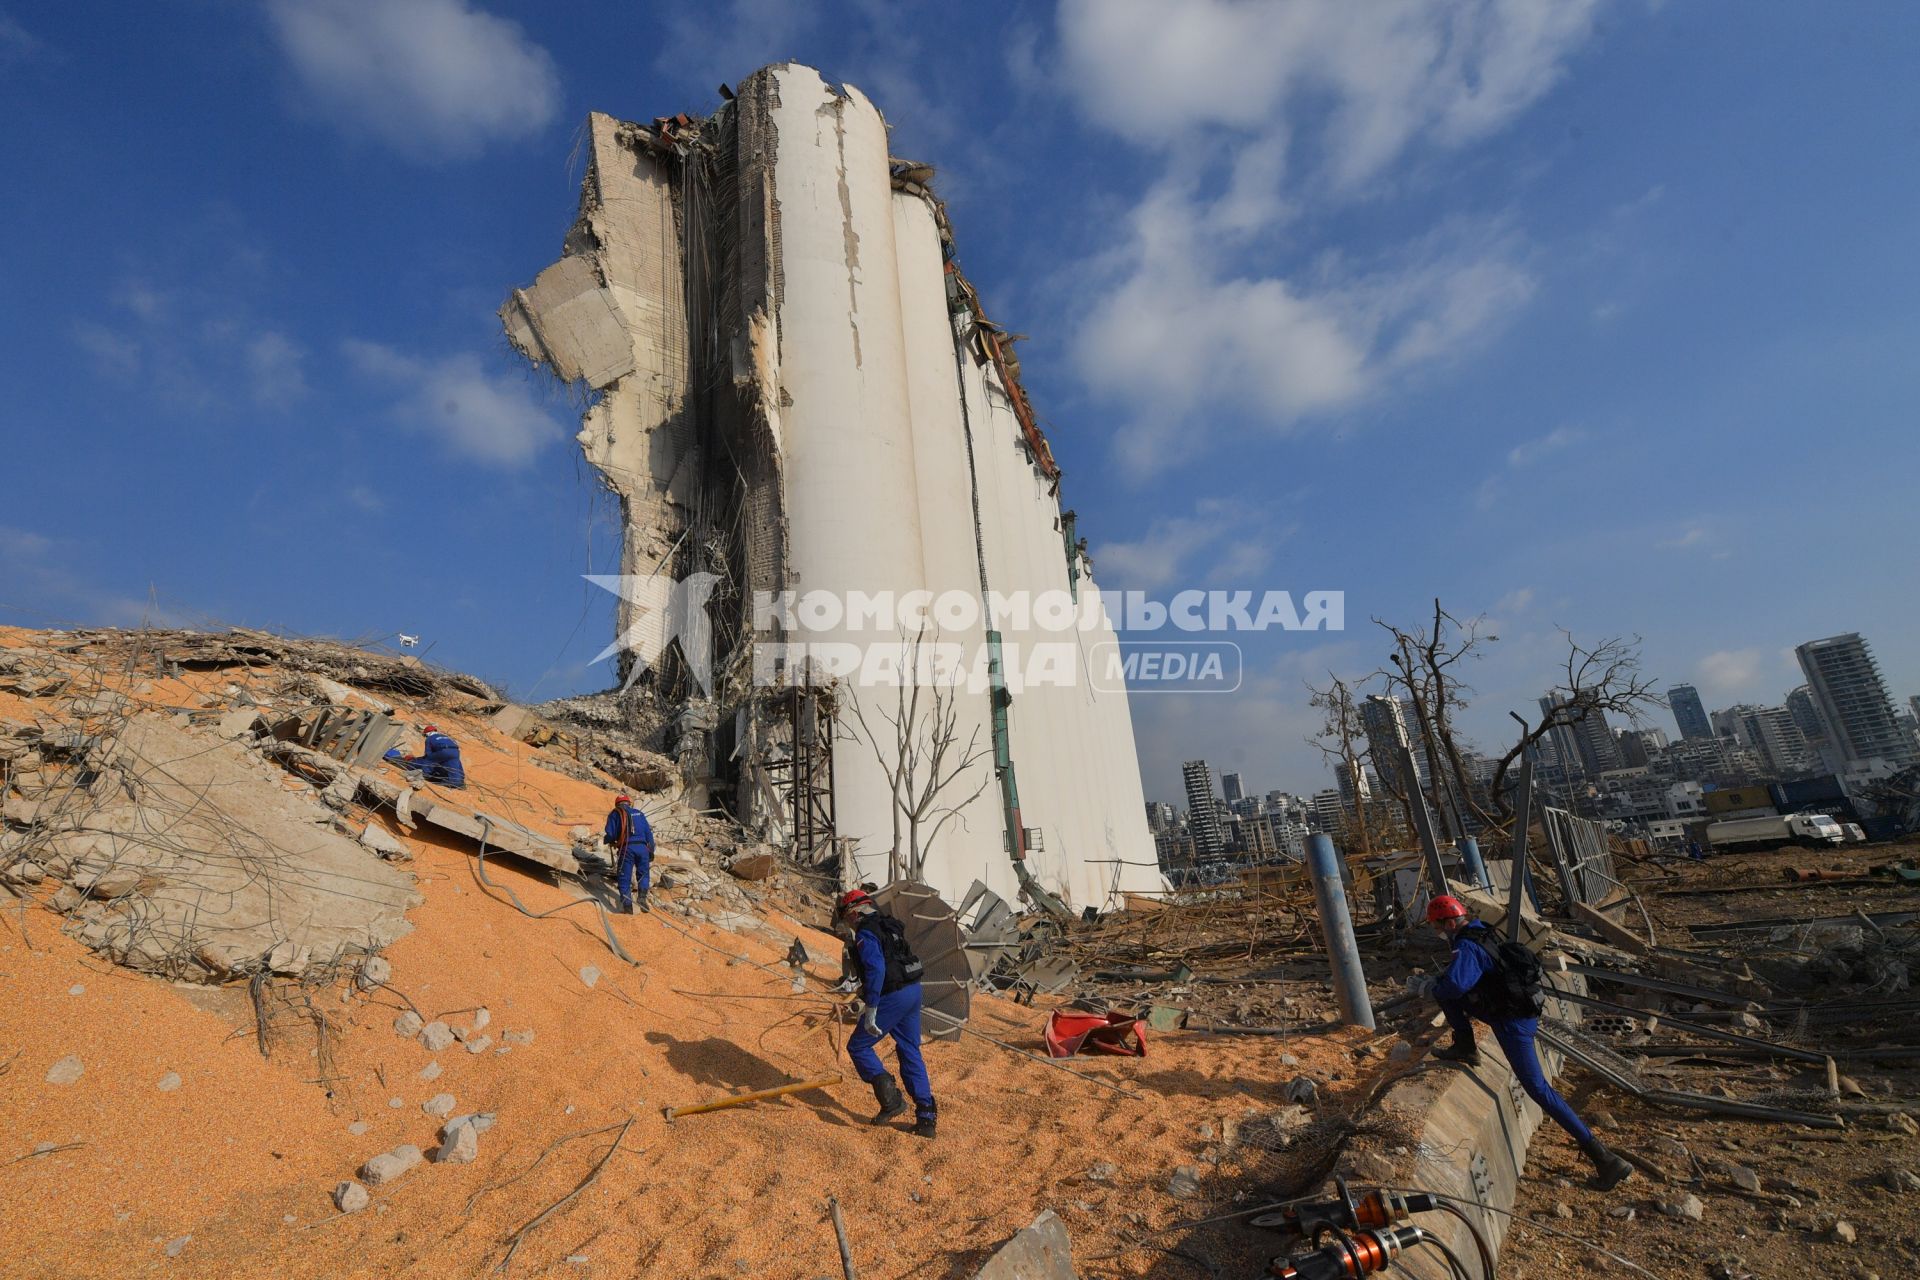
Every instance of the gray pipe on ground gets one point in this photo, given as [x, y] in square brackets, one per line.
[1336, 926]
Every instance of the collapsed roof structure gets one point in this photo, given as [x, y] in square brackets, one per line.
[796, 394]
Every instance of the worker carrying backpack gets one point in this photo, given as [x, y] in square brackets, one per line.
[903, 967]
[1514, 987]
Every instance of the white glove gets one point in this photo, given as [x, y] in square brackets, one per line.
[870, 1021]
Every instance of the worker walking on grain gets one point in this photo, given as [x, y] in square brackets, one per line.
[438, 761]
[630, 837]
[889, 1005]
[1499, 983]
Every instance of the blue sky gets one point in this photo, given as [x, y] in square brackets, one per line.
[1573, 312]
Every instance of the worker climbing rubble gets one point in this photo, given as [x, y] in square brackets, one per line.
[438, 761]
[888, 1005]
[630, 837]
[1499, 983]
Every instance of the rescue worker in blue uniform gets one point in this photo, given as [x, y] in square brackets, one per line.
[630, 837]
[438, 761]
[889, 1005]
[1471, 988]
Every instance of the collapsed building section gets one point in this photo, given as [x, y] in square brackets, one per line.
[795, 390]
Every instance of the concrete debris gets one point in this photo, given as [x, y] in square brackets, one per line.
[66, 1071]
[385, 843]
[168, 1082]
[212, 822]
[407, 1025]
[374, 971]
[1843, 1232]
[1901, 1122]
[479, 1044]
[1902, 1181]
[1102, 1171]
[439, 1106]
[1688, 1207]
[481, 1017]
[1301, 1089]
[1185, 1182]
[431, 1071]
[386, 1167]
[460, 1145]
[351, 1197]
[520, 1037]
[177, 1246]
[589, 974]
[1039, 1251]
[436, 1036]
[1744, 1178]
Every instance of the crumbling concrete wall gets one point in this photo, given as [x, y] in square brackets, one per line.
[798, 402]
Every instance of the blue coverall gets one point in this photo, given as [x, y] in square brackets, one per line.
[1472, 961]
[632, 839]
[898, 1015]
[439, 761]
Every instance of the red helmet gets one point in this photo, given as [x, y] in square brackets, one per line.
[429, 728]
[1445, 907]
[623, 799]
[853, 898]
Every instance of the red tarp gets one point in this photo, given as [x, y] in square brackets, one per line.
[1070, 1031]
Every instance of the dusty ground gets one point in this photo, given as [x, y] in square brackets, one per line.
[1808, 1179]
[230, 1172]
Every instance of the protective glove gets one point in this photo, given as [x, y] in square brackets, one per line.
[847, 985]
[1421, 984]
[870, 1021]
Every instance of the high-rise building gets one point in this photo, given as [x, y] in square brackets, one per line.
[1327, 813]
[1587, 741]
[1385, 721]
[1852, 698]
[1772, 734]
[1639, 746]
[1159, 816]
[1688, 712]
[1806, 714]
[1230, 788]
[1203, 817]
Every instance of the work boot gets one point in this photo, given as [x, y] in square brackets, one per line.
[643, 902]
[1461, 1050]
[626, 906]
[1609, 1168]
[924, 1116]
[887, 1094]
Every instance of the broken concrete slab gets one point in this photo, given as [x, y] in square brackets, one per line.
[567, 320]
[243, 878]
[1040, 1250]
[385, 844]
[497, 834]
[387, 1166]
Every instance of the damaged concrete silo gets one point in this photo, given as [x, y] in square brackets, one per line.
[798, 397]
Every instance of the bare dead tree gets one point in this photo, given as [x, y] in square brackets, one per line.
[1429, 658]
[926, 773]
[1342, 740]
[1601, 678]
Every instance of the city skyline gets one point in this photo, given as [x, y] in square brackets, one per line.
[1772, 730]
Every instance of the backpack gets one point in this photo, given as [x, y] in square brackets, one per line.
[1513, 988]
[903, 967]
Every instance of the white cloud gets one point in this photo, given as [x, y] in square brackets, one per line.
[17, 44]
[1692, 536]
[276, 367]
[1236, 539]
[1730, 671]
[493, 418]
[1528, 452]
[1178, 332]
[432, 78]
[1515, 601]
[1386, 73]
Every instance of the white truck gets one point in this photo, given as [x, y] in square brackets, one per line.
[1773, 831]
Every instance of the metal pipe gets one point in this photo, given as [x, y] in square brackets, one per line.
[1470, 856]
[1343, 951]
[1522, 819]
[780, 1091]
[1423, 823]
